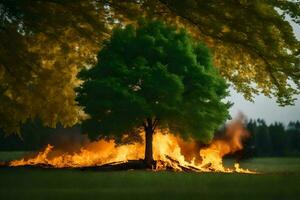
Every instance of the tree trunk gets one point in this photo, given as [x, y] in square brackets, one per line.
[149, 130]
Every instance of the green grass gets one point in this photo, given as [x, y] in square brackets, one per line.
[280, 179]
[271, 165]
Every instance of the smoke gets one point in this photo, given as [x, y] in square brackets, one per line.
[229, 142]
[68, 139]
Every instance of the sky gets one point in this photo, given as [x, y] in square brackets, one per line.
[264, 107]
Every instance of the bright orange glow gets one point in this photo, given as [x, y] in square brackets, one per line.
[170, 152]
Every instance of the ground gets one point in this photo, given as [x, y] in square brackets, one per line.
[279, 179]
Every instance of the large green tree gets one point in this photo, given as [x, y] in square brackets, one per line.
[150, 77]
[44, 43]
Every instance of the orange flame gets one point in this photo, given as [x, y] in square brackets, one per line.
[169, 151]
[212, 156]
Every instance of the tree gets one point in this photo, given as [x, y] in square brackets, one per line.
[273, 140]
[279, 139]
[293, 131]
[150, 77]
[45, 43]
[34, 137]
[255, 35]
[39, 60]
[263, 142]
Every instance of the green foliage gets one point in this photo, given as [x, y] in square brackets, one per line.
[41, 48]
[153, 72]
[262, 139]
[45, 43]
[254, 45]
[273, 140]
[34, 137]
[279, 139]
[294, 137]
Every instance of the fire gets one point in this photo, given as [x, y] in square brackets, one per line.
[212, 156]
[170, 152]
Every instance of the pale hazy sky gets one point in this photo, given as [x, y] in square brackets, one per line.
[264, 107]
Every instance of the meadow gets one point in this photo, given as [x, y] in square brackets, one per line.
[279, 178]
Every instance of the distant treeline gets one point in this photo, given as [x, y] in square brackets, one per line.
[34, 136]
[272, 140]
[264, 140]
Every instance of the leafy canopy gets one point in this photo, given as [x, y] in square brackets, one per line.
[45, 43]
[153, 72]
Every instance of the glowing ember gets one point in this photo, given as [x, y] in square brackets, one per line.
[170, 152]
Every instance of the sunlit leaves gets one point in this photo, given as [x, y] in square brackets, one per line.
[45, 43]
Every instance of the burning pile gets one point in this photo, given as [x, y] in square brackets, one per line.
[170, 152]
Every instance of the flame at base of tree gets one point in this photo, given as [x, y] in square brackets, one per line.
[170, 152]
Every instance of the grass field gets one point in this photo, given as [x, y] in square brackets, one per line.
[280, 179]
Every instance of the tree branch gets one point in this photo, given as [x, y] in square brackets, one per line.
[155, 123]
[221, 39]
